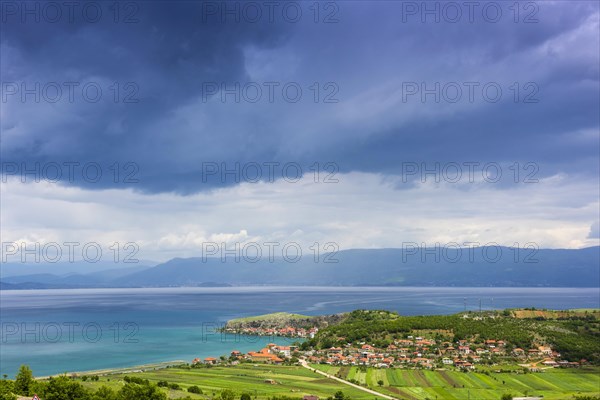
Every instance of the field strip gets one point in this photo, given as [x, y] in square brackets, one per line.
[305, 365]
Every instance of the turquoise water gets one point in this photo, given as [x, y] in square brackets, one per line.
[56, 331]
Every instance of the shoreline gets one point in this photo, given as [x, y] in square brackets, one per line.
[144, 367]
[119, 370]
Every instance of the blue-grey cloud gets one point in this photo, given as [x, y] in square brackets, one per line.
[370, 55]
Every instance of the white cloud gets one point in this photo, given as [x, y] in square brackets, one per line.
[361, 211]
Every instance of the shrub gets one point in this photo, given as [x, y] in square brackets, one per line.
[194, 389]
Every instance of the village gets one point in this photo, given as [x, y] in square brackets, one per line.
[287, 331]
[411, 352]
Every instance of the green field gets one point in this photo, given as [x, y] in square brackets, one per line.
[296, 381]
[422, 384]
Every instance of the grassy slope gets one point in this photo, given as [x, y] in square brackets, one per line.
[416, 384]
[279, 316]
[406, 384]
[293, 381]
[554, 314]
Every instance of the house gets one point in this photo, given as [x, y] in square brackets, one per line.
[447, 361]
[467, 365]
[210, 360]
[519, 352]
[533, 352]
[545, 350]
[464, 350]
[285, 350]
[388, 360]
[367, 348]
[264, 356]
[424, 362]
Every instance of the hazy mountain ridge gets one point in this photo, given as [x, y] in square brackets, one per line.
[372, 267]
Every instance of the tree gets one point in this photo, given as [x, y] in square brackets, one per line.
[506, 396]
[380, 382]
[133, 391]
[63, 388]
[245, 396]
[6, 390]
[227, 394]
[104, 393]
[339, 395]
[194, 389]
[24, 380]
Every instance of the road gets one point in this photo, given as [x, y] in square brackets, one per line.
[335, 378]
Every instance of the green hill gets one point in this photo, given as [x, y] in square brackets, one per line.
[282, 320]
[574, 334]
[275, 318]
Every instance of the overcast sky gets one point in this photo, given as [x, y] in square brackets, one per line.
[367, 124]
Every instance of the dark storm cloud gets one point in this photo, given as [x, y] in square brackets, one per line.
[172, 51]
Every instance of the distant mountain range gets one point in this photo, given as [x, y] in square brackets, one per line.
[475, 267]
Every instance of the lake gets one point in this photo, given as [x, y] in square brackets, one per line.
[56, 331]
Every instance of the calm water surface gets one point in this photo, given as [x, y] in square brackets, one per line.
[55, 331]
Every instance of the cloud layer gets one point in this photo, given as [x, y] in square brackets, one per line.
[194, 99]
[369, 62]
